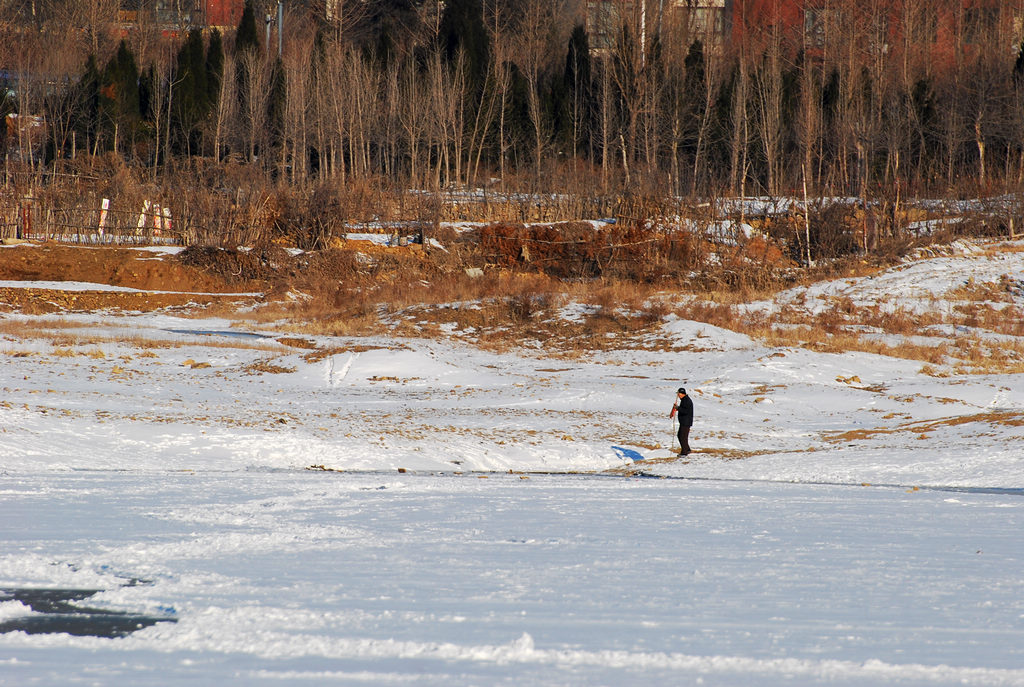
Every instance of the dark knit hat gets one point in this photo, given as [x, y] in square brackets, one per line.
[681, 390]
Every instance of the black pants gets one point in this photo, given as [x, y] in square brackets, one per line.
[684, 439]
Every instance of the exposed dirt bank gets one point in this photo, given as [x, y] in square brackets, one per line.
[163, 280]
[128, 267]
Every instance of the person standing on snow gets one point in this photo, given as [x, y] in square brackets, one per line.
[683, 406]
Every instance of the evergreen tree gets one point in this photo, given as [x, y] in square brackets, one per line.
[791, 95]
[247, 45]
[693, 90]
[190, 103]
[1018, 66]
[247, 36]
[681, 97]
[147, 93]
[118, 101]
[517, 115]
[558, 111]
[124, 73]
[87, 111]
[214, 69]
[276, 104]
[573, 119]
[926, 143]
[722, 124]
[695, 69]
[830, 95]
[462, 29]
[390, 26]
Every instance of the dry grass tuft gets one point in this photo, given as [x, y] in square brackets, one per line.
[266, 366]
[999, 418]
[295, 342]
[11, 353]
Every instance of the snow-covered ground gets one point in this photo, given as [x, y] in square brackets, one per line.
[846, 519]
[921, 284]
[325, 579]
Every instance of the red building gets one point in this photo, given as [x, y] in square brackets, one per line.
[173, 16]
[222, 13]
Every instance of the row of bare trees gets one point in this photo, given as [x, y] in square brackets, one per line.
[856, 98]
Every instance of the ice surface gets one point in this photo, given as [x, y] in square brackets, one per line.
[313, 578]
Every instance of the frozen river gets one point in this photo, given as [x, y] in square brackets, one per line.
[292, 577]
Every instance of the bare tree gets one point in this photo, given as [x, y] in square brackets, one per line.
[414, 118]
[225, 109]
[447, 94]
[332, 105]
[714, 64]
[96, 18]
[537, 41]
[988, 88]
[606, 123]
[362, 111]
[344, 17]
[253, 117]
[59, 93]
[629, 67]
[500, 28]
[739, 125]
[767, 93]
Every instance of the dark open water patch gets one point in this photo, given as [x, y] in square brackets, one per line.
[55, 611]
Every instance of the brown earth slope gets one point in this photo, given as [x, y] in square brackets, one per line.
[162, 280]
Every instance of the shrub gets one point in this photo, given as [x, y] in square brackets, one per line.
[578, 250]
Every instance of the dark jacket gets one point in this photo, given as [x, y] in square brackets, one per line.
[685, 407]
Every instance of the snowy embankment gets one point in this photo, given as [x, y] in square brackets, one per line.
[158, 392]
[155, 393]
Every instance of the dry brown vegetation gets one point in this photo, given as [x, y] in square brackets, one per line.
[1004, 418]
[564, 287]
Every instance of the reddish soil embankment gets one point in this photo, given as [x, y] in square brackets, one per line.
[164, 280]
